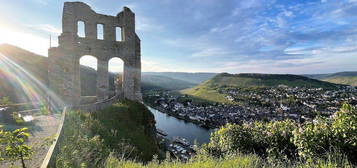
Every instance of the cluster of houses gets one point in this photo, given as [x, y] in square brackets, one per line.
[267, 104]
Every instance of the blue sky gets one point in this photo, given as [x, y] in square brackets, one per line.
[263, 36]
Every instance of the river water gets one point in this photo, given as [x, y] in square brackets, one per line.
[176, 127]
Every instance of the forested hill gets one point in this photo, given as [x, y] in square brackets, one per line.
[266, 80]
[209, 90]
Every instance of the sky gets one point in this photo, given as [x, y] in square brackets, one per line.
[235, 36]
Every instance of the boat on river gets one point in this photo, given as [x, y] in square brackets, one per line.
[161, 132]
[181, 140]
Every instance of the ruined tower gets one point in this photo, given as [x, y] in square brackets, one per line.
[64, 67]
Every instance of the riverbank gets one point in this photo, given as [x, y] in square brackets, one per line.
[174, 127]
[184, 118]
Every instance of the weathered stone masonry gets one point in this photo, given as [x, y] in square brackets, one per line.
[64, 76]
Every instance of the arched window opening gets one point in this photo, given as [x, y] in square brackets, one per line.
[118, 34]
[88, 76]
[116, 66]
[81, 29]
[100, 31]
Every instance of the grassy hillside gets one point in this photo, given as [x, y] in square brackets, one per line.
[209, 89]
[345, 78]
[206, 91]
[125, 129]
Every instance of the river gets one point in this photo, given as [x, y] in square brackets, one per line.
[176, 127]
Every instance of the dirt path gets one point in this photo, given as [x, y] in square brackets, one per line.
[43, 127]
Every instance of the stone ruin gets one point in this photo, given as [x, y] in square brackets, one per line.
[64, 66]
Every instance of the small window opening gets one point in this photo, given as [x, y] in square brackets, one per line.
[118, 34]
[100, 31]
[81, 29]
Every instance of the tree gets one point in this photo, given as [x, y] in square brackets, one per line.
[13, 147]
[5, 101]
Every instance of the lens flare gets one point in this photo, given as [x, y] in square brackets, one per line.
[28, 88]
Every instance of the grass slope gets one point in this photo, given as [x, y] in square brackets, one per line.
[234, 161]
[345, 78]
[133, 121]
[209, 89]
[206, 92]
[123, 128]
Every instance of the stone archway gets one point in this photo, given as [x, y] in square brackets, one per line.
[63, 69]
[116, 82]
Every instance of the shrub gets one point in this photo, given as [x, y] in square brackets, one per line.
[78, 149]
[13, 147]
[314, 138]
[266, 139]
[287, 140]
[344, 127]
[278, 137]
[5, 101]
[17, 119]
[232, 138]
[44, 110]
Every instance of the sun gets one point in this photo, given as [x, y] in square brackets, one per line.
[23, 39]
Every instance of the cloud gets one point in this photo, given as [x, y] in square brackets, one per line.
[221, 29]
[42, 2]
[145, 24]
[201, 47]
[212, 52]
[46, 28]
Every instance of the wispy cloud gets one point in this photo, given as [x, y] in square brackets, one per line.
[42, 2]
[46, 28]
[145, 24]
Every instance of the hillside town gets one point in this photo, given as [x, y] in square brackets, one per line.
[251, 104]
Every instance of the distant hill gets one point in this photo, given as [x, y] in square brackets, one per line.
[346, 78]
[267, 80]
[208, 90]
[150, 82]
[195, 78]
